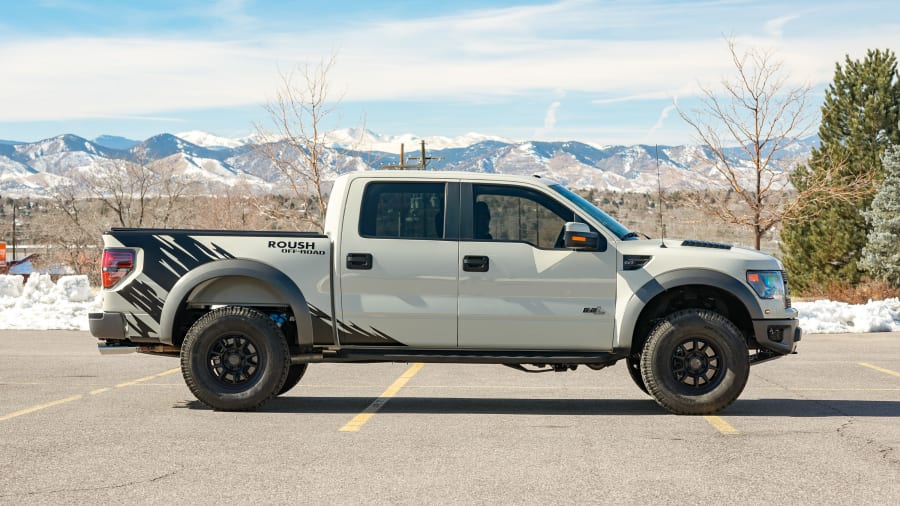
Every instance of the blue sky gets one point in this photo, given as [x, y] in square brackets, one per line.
[594, 71]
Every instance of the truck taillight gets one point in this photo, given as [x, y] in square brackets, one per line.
[116, 264]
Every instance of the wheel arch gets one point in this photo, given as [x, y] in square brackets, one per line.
[220, 281]
[671, 291]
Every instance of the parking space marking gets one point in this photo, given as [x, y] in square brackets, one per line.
[721, 425]
[359, 420]
[880, 369]
[148, 378]
[40, 407]
[97, 391]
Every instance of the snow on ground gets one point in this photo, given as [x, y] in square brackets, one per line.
[829, 317]
[41, 304]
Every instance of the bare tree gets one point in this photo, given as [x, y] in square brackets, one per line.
[173, 196]
[73, 227]
[297, 147]
[140, 192]
[231, 208]
[749, 125]
[125, 193]
[125, 187]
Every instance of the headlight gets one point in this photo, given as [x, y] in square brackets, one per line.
[766, 284]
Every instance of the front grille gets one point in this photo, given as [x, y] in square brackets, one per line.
[787, 290]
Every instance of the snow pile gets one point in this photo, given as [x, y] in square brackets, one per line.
[829, 317]
[43, 304]
[10, 289]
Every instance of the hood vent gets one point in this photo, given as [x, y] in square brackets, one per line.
[705, 244]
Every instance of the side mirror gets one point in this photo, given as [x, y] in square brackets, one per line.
[578, 236]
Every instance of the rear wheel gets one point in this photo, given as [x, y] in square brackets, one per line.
[695, 362]
[294, 375]
[235, 359]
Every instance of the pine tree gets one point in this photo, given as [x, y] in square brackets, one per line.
[859, 120]
[881, 256]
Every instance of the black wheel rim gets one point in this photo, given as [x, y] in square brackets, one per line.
[233, 360]
[696, 363]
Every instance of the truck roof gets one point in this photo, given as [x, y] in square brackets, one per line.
[444, 174]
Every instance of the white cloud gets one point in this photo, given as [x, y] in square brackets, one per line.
[483, 53]
[550, 117]
[549, 120]
[775, 27]
[662, 118]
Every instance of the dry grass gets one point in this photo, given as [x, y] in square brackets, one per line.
[843, 292]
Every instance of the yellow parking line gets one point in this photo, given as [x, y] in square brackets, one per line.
[38, 408]
[880, 369]
[359, 420]
[147, 378]
[721, 425]
[79, 396]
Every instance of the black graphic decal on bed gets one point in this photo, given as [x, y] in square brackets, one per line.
[349, 333]
[168, 257]
[140, 327]
[142, 296]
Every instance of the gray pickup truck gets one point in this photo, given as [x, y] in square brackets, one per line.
[446, 267]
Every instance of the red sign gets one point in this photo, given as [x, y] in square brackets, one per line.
[2, 255]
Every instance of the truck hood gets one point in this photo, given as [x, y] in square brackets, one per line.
[704, 254]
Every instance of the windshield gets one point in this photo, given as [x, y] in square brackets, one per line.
[606, 220]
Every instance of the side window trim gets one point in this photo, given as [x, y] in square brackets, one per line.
[467, 216]
[452, 204]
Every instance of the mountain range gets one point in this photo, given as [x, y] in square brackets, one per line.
[33, 169]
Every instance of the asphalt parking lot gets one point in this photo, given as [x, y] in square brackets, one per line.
[820, 427]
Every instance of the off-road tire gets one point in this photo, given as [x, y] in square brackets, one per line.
[295, 374]
[695, 362]
[633, 364]
[235, 359]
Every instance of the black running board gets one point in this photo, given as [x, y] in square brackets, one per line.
[459, 356]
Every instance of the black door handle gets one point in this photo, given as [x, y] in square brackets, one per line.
[359, 260]
[475, 263]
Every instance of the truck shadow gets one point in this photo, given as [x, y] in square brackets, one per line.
[800, 408]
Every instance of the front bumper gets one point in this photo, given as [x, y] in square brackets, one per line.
[779, 336]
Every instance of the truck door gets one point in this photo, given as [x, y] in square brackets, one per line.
[518, 287]
[397, 260]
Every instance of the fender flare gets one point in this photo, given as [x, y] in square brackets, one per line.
[673, 279]
[237, 267]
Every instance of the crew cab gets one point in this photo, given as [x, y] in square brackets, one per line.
[446, 267]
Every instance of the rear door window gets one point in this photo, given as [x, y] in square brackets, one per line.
[403, 211]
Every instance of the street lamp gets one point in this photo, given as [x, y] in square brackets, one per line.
[14, 227]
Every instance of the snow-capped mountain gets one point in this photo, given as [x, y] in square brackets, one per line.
[212, 141]
[33, 169]
[359, 139]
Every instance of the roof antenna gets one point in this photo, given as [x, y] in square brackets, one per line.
[662, 224]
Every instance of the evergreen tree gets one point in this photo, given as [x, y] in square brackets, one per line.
[859, 120]
[881, 256]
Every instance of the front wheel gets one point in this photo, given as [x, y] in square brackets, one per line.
[633, 363]
[695, 362]
[235, 359]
